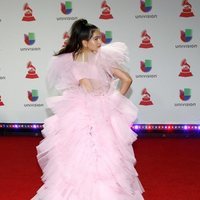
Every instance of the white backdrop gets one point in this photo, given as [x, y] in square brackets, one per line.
[31, 31]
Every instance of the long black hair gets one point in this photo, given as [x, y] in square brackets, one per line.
[80, 30]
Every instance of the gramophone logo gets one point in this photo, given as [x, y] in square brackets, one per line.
[107, 37]
[66, 8]
[185, 94]
[146, 98]
[106, 12]
[187, 9]
[185, 69]
[146, 5]
[146, 40]
[31, 74]
[186, 36]
[65, 38]
[29, 38]
[28, 13]
[33, 95]
[1, 102]
[146, 65]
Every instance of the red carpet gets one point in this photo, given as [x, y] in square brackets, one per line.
[169, 169]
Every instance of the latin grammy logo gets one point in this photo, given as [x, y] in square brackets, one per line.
[187, 9]
[28, 13]
[106, 11]
[185, 71]
[146, 40]
[146, 98]
[31, 71]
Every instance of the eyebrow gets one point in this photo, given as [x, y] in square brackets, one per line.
[97, 36]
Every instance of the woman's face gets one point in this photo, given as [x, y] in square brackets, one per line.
[95, 41]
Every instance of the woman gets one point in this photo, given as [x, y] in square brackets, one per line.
[86, 153]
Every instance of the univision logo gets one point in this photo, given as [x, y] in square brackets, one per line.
[146, 65]
[186, 35]
[185, 94]
[146, 5]
[29, 38]
[33, 95]
[107, 37]
[66, 8]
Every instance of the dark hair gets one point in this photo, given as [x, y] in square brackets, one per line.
[80, 30]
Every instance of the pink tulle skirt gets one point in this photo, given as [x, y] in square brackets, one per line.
[87, 153]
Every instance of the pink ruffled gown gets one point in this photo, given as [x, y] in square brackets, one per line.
[86, 153]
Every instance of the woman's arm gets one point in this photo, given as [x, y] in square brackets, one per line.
[125, 80]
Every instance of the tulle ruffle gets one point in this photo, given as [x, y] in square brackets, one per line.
[114, 55]
[86, 152]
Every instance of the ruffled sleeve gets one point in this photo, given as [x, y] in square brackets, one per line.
[114, 55]
[59, 75]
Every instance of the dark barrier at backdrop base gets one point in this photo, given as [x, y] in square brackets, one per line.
[143, 130]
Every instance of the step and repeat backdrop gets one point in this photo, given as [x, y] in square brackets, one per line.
[163, 38]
